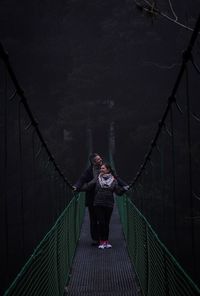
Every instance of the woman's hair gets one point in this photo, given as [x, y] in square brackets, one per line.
[109, 168]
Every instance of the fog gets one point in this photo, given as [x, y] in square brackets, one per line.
[97, 76]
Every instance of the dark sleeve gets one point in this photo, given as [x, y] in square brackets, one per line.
[119, 190]
[120, 181]
[89, 186]
[86, 177]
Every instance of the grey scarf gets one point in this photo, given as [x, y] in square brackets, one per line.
[105, 180]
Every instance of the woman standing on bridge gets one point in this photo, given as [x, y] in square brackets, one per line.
[105, 185]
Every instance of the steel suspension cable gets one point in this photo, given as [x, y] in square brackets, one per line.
[153, 184]
[173, 173]
[34, 181]
[186, 58]
[141, 197]
[189, 143]
[21, 178]
[34, 123]
[161, 151]
[6, 170]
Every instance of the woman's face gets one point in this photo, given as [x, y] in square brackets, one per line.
[104, 169]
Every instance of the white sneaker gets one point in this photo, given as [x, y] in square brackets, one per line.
[102, 245]
[108, 245]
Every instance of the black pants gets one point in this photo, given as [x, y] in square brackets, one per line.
[103, 215]
[93, 223]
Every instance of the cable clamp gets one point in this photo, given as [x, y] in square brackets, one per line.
[20, 92]
[35, 123]
[186, 55]
[153, 143]
[51, 158]
[3, 53]
[171, 99]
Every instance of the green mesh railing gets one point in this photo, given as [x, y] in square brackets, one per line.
[48, 269]
[158, 271]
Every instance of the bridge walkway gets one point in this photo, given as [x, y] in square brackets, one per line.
[102, 272]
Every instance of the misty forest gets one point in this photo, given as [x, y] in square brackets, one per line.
[98, 77]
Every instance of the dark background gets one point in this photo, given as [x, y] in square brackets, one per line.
[72, 58]
[97, 72]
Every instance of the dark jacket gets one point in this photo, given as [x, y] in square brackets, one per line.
[103, 196]
[85, 178]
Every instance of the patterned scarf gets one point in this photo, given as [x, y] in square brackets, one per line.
[105, 180]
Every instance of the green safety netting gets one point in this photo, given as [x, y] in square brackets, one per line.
[158, 271]
[48, 269]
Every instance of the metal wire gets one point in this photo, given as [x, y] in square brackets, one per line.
[173, 175]
[186, 57]
[190, 168]
[48, 269]
[158, 271]
[33, 121]
[21, 178]
[6, 173]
